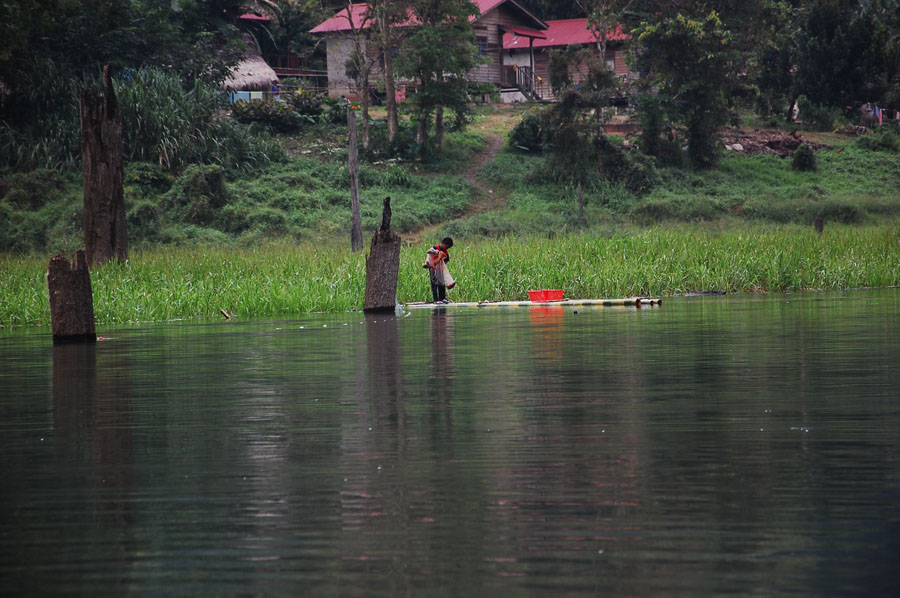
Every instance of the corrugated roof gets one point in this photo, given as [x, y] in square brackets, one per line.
[253, 17]
[562, 33]
[340, 22]
[523, 32]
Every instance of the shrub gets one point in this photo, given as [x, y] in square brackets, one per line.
[817, 117]
[305, 103]
[529, 134]
[199, 193]
[337, 110]
[804, 159]
[142, 220]
[640, 175]
[633, 169]
[173, 124]
[884, 139]
[278, 116]
[31, 190]
[148, 178]
[836, 210]
[267, 220]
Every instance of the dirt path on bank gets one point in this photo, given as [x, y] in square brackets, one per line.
[495, 128]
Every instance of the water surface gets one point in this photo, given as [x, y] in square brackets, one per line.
[711, 446]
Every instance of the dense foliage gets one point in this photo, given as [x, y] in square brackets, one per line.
[200, 169]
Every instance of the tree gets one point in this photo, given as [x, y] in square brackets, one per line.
[105, 234]
[438, 54]
[837, 54]
[691, 61]
[848, 53]
[553, 9]
[359, 67]
[772, 61]
[387, 15]
[578, 144]
[603, 17]
[54, 44]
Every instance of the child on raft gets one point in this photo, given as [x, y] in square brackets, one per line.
[436, 261]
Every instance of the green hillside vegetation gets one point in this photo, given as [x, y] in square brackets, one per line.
[307, 196]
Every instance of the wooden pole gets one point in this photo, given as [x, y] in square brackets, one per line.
[71, 299]
[819, 225]
[102, 167]
[356, 239]
[383, 267]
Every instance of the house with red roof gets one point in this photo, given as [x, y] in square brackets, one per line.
[558, 35]
[496, 19]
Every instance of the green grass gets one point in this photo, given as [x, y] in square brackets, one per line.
[851, 186]
[280, 279]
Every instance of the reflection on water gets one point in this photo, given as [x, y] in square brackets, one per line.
[719, 445]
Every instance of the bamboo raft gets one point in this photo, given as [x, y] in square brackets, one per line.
[627, 302]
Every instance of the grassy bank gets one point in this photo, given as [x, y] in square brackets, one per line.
[852, 186]
[281, 279]
[307, 197]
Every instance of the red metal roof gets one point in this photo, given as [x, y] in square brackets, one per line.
[252, 17]
[523, 32]
[562, 33]
[340, 22]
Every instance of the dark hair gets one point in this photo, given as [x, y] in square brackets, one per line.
[447, 242]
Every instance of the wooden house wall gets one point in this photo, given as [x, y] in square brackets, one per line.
[488, 26]
[616, 53]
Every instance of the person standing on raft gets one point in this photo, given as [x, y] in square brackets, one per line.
[436, 261]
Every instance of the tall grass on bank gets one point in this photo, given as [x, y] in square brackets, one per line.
[284, 280]
[175, 124]
[164, 120]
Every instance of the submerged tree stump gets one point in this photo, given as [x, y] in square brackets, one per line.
[102, 166]
[383, 267]
[71, 299]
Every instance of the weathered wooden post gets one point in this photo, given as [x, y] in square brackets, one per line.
[71, 299]
[356, 238]
[102, 167]
[819, 225]
[382, 266]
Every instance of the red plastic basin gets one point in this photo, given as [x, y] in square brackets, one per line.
[546, 295]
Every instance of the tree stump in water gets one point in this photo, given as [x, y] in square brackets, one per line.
[71, 299]
[383, 267]
[102, 166]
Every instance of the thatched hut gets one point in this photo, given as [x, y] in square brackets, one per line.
[251, 74]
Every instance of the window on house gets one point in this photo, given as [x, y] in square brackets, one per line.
[482, 45]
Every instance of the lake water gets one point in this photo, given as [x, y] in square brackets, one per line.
[711, 446]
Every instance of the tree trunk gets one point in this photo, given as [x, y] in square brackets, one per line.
[356, 240]
[383, 267]
[439, 127]
[421, 132]
[390, 101]
[102, 166]
[789, 115]
[364, 105]
[581, 201]
[71, 299]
